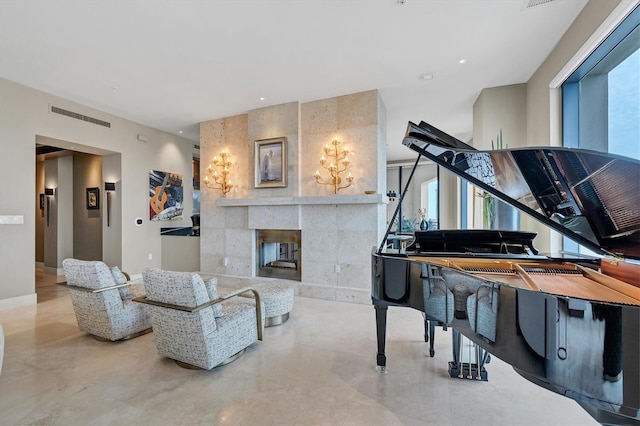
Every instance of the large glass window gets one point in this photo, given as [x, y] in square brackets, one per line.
[624, 106]
[601, 99]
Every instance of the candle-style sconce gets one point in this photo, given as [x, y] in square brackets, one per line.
[219, 171]
[108, 187]
[48, 192]
[337, 163]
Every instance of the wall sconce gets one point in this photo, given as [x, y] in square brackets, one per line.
[108, 187]
[392, 195]
[49, 192]
[220, 181]
[338, 163]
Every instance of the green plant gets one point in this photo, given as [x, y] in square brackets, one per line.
[488, 209]
[408, 224]
[498, 144]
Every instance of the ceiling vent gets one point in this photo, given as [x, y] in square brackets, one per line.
[80, 116]
[533, 3]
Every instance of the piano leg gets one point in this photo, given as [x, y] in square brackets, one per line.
[381, 327]
[426, 328]
[432, 334]
[429, 333]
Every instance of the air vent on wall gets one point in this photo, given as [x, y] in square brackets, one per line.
[80, 116]
[533, 3]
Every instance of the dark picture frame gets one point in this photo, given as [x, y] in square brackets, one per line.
[93, 198]
[271, 163]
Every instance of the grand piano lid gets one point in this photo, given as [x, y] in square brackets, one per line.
[591, 197]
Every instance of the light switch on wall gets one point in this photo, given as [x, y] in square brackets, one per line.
[11, 219]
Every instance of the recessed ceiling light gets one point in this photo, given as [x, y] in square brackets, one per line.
[426, 76]
[462, 61]
[262, 99]
[180, 131]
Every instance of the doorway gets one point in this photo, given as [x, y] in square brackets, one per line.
[71, 210]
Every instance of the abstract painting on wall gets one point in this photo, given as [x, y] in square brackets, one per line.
[165, 195]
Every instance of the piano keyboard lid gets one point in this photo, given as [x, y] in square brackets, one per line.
[589, 196]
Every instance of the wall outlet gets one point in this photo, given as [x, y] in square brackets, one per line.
[150, 256]
[225, 261]
[336, 268]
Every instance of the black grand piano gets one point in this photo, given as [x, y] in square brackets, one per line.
[569, 323]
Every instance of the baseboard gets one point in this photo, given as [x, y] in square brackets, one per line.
[40, 265]
[18, 302]
[53, 271]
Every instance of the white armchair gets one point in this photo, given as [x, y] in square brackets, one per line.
[102, 301]
[193, 325]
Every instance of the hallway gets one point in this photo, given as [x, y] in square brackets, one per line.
[49, 286]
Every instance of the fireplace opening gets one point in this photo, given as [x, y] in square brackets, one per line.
[278, 253]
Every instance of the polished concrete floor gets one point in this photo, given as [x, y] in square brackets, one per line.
[317, 368]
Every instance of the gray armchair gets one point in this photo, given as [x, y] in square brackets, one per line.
[193, 325]
[102, 301]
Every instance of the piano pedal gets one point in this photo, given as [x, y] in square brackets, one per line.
[458, 371]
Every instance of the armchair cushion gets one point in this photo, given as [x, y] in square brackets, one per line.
[212, 289]
[185, 289]
[120, 278]
[88, 274]
[181, 288]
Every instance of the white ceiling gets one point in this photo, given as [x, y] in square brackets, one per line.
[173, 64]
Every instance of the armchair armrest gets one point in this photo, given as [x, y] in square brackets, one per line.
[99, 290]
[256, 296]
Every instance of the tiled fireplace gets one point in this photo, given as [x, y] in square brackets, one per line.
[337, 231]
[338, 234]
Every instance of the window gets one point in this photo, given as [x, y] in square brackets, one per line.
[430, 202]
[601, 99]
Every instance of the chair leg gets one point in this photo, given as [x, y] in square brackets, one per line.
[127, 337]
[277, 320]
[225, 362]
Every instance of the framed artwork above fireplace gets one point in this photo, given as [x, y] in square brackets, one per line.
[271, 163]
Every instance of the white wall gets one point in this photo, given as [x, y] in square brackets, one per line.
[24, 114]
[500, 110]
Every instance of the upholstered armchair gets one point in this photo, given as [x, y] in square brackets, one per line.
[102, 301]
[195, 326]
